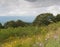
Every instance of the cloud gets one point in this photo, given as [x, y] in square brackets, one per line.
[44, 3]
[31, 0]
[28, 7]
[54, 9]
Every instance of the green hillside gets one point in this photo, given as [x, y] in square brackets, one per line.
[47, 36]
[36, 34]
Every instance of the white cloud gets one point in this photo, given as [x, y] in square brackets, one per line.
[54, 9]
[25, 8]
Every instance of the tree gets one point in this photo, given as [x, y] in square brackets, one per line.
[57, 18]
[1, 26]
[15, 24]
[20, 23]
[10, 24]
[44, 19]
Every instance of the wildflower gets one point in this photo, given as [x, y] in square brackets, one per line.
[55, 37]
[48, 36]
[46, 39]
[41, 45]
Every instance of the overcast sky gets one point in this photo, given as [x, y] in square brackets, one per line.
[28, 7]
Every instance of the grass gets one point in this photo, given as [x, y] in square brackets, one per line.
[46, 36]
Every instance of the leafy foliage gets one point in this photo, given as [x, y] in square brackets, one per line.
[58, 18]
[14, 24]
[9, 24]
[26, 35]
[41, 20]
[1, 26]
[44, 19]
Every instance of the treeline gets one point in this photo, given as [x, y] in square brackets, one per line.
[46, 19]
[40, 20]
[14, 24]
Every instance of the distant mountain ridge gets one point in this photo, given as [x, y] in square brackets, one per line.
[4, 19]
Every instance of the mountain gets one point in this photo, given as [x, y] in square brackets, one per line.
[4, 19]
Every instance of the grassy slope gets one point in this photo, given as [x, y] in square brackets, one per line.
[48, 36]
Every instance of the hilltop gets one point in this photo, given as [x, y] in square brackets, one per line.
[43, 32]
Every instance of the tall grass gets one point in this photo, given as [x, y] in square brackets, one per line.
[30, 36]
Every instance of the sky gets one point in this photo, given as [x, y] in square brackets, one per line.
[29, 19]
[28, 7]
